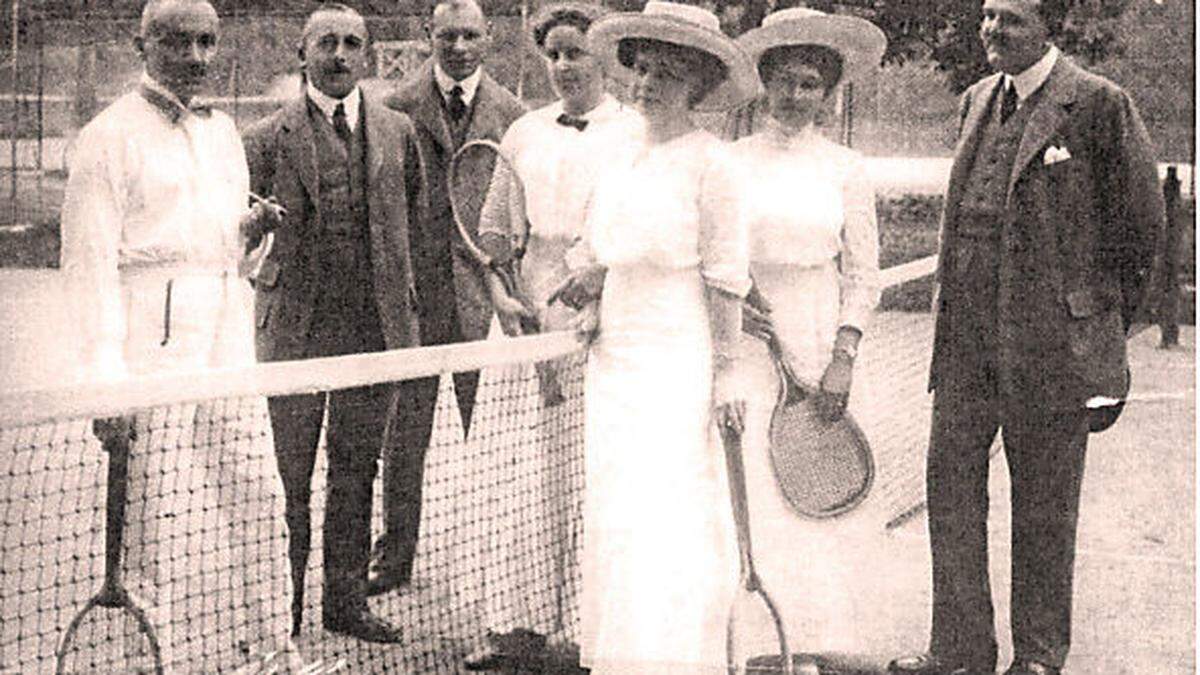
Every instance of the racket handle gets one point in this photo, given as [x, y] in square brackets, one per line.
[736, 472]
[112, 593]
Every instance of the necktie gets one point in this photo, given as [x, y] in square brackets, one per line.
[1009, 105]
[339, 123]
[455, 104]
[571, 121]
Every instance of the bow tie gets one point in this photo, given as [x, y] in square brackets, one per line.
[571, 121]
[171, 108]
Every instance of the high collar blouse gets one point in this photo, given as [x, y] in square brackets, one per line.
[557, 165]
[807, 203]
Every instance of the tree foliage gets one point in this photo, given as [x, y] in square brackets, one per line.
[945, 31]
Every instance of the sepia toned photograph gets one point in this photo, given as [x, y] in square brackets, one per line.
[664, 337]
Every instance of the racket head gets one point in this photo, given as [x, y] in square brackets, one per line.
[824, 469]
[470, 184]
[754, 614]
[112, 633]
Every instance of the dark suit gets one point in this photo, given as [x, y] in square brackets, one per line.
[312, 300]
[453, 299]
[1032, 307]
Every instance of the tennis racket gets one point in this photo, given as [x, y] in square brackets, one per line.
[750, 586]
[483, 183]
[823, 468]
[123, 639]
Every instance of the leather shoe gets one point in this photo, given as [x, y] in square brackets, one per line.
[386, 573]
[387, 580]
[507, 650]
[362, 624]
[1027, 667]
[928, 664]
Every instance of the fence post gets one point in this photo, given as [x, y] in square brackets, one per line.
[1168, 302]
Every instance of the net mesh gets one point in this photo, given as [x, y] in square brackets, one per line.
[205, 542]
[206, 551]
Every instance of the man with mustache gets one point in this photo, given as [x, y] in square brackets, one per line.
[1049, 228]
[451, 100]
[338, 280]
[154, 252]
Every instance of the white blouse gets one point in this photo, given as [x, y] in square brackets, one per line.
[674, 205]
[807, 202]
[557, 165]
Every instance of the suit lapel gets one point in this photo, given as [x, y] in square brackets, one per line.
[299, 145]
[378, 138]
[484, 116]
[1049, 112]
[972, 130]
[427, 112]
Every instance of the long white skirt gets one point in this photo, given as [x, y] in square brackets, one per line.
[659, 557]
[810, 567]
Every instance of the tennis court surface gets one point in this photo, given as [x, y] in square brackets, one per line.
[499, 532]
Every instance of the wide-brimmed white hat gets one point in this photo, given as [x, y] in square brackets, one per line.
[859, 42]
[683, 25]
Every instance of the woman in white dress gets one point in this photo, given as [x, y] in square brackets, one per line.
[810, 212]
[659, 557]
[556, 150]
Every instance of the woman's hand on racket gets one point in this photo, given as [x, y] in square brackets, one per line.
[834, 393]
[509, 310]
[580, 287]
[586, 322]
[729, 401]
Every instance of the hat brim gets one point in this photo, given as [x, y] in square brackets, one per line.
[859, 42]
[740, 85]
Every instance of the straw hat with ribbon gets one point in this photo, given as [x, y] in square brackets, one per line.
[683, 25]
[859, 42]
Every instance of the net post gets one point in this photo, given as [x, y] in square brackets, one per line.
[1168, 300]
[16, 104]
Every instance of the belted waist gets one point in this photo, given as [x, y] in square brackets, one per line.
[980, 226]
[141, 270]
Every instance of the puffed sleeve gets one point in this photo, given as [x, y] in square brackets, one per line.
[724, 240]
[92, 224]
[858, 261]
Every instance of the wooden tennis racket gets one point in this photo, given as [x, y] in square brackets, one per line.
[824, 468]
[750, 586]
[481, 175]
[124, 640]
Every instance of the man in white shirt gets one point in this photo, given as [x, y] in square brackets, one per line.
[152, 225]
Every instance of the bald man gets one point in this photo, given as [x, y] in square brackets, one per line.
[152, 247]
[451, 100]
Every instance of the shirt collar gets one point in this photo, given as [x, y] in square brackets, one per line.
[1033, 77]
[779, 137]
[469, 85]
[166, 102]
[327, 104]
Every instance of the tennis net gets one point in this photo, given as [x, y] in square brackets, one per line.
[499, 516]
[205, 508]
